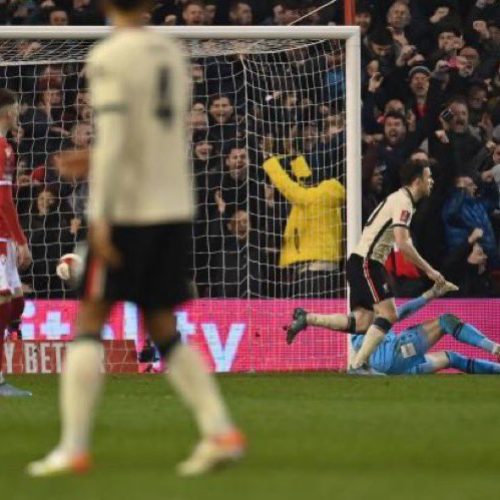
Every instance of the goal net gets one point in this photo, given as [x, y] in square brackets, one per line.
[268, 125]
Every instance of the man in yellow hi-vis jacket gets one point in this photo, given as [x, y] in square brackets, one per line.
[312, 243]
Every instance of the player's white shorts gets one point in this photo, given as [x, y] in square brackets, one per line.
[9, 276]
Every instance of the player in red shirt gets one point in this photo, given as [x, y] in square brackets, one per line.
[14, 251]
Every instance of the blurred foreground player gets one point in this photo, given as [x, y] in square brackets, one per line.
[140, 210]
[14, 249]
[407, 353]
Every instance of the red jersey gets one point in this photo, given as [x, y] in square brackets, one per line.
[9, 221]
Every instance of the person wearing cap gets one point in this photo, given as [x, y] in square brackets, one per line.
[312, 242]
[419, 79]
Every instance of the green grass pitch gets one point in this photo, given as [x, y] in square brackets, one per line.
[312, 436]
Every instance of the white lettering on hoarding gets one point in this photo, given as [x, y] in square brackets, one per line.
[30, 358]
[223, 356]
[9, 355]
[44, 358]
[58, 348]
[183, 326]
[130, 321]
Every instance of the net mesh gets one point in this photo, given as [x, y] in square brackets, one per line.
[252, 100]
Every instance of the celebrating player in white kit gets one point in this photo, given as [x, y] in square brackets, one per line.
[372, 305]
[370, 291]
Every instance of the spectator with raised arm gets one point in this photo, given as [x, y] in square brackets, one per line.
[312, 250]
[467, 265]
[463, 212]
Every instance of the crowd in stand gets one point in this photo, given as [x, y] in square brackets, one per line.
[267, 145]
[431, 87]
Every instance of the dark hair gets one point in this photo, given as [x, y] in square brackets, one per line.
[290, 4]
[235, 4]
[200, 136]
[448, 28]
[216, 97]
[231, 145]
[7, 98]
[411, 170]
[381, 36]
[56, 8]
[364, 7]
[458, 99]
[129, 5]
[199, 3]
[396, 115]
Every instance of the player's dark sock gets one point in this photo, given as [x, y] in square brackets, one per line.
[16, 311]
[465, 332]
[472, 365]
[411, 307]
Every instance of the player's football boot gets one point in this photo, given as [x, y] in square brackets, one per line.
[441, 290]
[365, 371]
[214, 452]
[59, 463]
[9, 391]
[298, 324]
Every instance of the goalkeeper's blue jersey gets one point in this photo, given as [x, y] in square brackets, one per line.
[397, 354]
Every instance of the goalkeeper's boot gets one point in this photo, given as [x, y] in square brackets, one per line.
[214, 452]
[440, 290]
[365, 371]
[59, 463]
[299, 323]
[9, 391]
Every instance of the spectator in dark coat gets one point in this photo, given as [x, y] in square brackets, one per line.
[49, 233]
[237, 265]
[372, 183]
[463, 212]
[456, 146]
[467, 267]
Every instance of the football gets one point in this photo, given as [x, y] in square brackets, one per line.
[70, 268]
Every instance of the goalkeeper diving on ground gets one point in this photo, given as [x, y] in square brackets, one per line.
[408, 353]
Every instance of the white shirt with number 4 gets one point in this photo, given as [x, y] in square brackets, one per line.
[140, 89]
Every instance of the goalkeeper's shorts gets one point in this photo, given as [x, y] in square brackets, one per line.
[154, 273]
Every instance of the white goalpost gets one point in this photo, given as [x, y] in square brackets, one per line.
[275, 124]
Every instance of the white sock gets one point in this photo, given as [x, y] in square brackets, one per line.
[372, 339]
[81, 384]
[190, 378]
